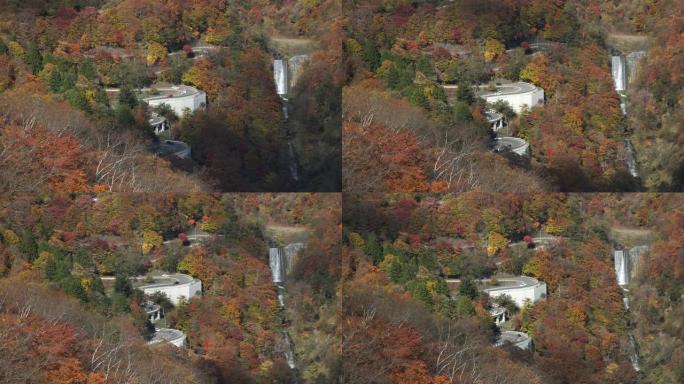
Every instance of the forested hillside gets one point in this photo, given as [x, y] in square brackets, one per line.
[412, 311]
[438, 55]
[69, 313]
[84, 61]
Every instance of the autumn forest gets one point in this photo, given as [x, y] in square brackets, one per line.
[433, 98]
[77, 78]
[341, 191]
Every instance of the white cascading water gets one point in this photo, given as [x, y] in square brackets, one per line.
[280, 76]
[619, 73]
[624, 71]
[276, 261]
[281, 260]
[621, 268]
[626, 264]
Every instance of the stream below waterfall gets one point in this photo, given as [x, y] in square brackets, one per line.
[281, 260]
[623, 70]
[282, 79]
[626, 262]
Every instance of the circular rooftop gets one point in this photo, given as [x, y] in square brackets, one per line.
[512, 143]
[513, 337]
[507, 89]
[167, 280]
[497, 311]
[166, 335]
[156, 119]
[169, 92]
[170, 147]
[507, 283]
[493, 116]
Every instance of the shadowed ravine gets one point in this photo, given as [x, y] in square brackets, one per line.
[281, 260]
[624, 70]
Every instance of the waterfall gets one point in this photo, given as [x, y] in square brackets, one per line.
[619, 73]
[276, 261]
[281, 260]
[621, 268]
[626, 265]
[624, 70]
[280, 76]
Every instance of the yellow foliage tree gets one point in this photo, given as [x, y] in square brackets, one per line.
[219, 31]
[156, 53]
[537, 72]
[200, 76]
[9, 237]
[231, 311]
[576, 314]
[354, 47]
[357, 240]
[194, 264]
[386, 264]
[493, 49]
[495, 243]
[16, 50]
[42, 259]
[573, 120]
[151, 239]
[555, 226]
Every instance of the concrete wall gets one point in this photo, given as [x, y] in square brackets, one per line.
[516, 144]
[180, 103]
[169, 335]
[521, 294]
[518, 100]
[180, 342]
[519, 339]
[177, 292]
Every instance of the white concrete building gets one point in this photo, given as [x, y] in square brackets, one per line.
[518, 95]
[168, 335]
[513, 144]
[153, 311]
[173, 147]
[179, 97]
[521, 289]
[495, 119]
[158, 123]
[519, 339]
[177, 287]
[499, 314]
